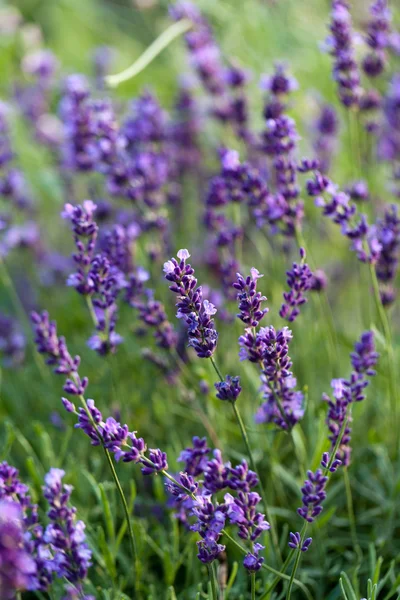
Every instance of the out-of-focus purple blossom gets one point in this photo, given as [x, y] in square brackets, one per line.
[252, 561]
[283, 403]
[196, 311]
[85, 231]
[283, 208]
[377, 38]
[229, 389]
[319, 280]
[326, 136]
[279, 83]
[204, 52]
[388, 234]
[358, 191]
[342, 211]
[183, 133]
[389, 138]
[249, 299]
[295, 542]
[314, 494]
[340, 46]
[103, 58]
[326, 462]
[91, 137]
[16, 566]
[12, 342]
[55, 349]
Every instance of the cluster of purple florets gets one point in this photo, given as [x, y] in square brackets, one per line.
[238, 508]
[347, 391]
[32, 553]
[196, 311]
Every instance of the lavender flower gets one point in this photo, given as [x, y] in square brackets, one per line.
[16, 566]
[249, 299]
[313, 495]
[340, 46]
[12, 342]
[196, 311]
[299, 280]
[85, 231]
[252, 561]
[283, 404]
[345, 392]
[210, 520]
[229, 389]
[64, 533]
[388, 234]
[295, 542]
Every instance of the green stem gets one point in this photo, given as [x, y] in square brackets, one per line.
[150, 53]
[213, 581]
[297, 561]
[278, 578]
[389, 346]
[325, 306]
[216, 369]
[350, 509]
[253, 586]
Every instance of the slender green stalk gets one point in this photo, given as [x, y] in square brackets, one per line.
[325, 306]
[297, 561]
[150, 53]
[213, 581]
[350, 510]
[278, 578]
[394, 396]
[253, 586]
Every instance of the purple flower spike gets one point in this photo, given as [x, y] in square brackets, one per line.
[313, 495]
[299, 279]
[229, 389]
[196, 311]
[159, 460]
[252, 561]
[295, 542]
[249, 299]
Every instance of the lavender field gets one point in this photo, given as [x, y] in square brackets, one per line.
[199, 305]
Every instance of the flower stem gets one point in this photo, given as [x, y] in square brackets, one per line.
[253, 585]
[150, 53]
[297, 561]
[350, 509]
[213, 580]
[389, 346]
